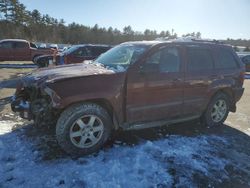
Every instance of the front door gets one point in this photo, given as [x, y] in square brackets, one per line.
[155, 87]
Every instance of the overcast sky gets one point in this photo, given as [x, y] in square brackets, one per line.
[217, 19]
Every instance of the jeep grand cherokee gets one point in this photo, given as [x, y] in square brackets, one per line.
[134, 85]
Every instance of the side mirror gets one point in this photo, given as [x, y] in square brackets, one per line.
[149, 68]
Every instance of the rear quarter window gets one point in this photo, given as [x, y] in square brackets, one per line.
[199, 59]
[225, 60]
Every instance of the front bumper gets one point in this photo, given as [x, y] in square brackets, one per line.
[22, 107]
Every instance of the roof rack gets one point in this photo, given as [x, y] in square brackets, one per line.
[190, 39]
[208, 40]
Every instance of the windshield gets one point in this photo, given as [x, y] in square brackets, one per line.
[121, 56]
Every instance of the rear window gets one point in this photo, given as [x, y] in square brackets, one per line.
[225, 60]
[199, 59]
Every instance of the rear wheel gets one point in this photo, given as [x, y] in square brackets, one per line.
[83, 129]
[217, 110]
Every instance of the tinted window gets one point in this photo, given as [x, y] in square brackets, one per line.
[225, 60]
[81, 52]
[199, 59]
[20, 45]
[167, 60]
[6, 45]
[96, 51]
[246, 59]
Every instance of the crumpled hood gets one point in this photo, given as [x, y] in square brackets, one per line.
[64, 72]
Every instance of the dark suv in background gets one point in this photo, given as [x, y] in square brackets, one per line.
[134, 85]
[246, 60]
[75, 54]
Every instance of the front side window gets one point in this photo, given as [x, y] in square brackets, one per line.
[120, 57]
[199, 59]
[225, 60]
[96, 51]
[81, 52]
[167, 60]
[20, 45]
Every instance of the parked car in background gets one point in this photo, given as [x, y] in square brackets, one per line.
[20, 50]
[54, 46]
[246, 60]
[135, 85]
[42, 45]
[74, 54]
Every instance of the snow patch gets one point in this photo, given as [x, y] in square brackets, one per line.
[148, 164]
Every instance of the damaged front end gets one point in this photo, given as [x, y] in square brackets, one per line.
[33, 101]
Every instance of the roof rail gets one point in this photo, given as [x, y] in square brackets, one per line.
[190, 39]
[208, 40]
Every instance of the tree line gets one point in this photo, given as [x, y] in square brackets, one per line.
[18, 22]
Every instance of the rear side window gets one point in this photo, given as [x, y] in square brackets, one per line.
[225, 60]
[199, 59]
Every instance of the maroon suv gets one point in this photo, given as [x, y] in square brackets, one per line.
[75, 54]
[134, 85]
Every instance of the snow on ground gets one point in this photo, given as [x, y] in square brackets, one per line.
[180, 161]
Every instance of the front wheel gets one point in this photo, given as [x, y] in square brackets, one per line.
[83, 129]
[217, 110]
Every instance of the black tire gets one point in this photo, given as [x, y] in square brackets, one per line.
[68, 119]
[42, 62]
[34, 58]
[208, 119]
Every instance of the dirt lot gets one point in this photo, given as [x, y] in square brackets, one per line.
[181, 155]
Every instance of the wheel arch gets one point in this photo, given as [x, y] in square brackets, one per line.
[229, 93]
[104, 103]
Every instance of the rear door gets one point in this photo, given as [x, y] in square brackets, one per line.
[6, 51]
[155, 88]
[198, 78]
